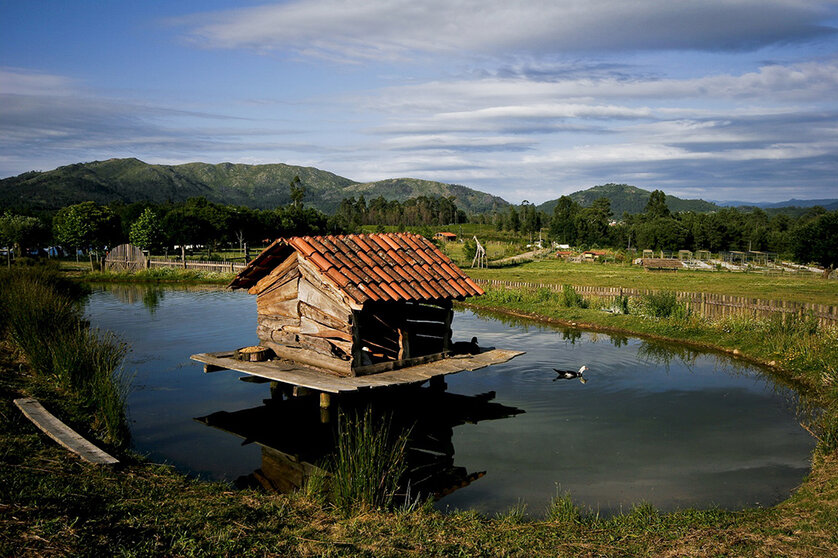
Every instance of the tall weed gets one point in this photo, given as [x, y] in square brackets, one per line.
[368, 464]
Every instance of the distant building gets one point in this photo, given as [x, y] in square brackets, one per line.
[446, 236]
[592, 255]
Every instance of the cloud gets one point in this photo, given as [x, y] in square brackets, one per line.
[399, 29]
[19, 81]
[48, 120]
[800, 82]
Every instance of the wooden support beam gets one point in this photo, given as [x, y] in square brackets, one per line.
[325, 400]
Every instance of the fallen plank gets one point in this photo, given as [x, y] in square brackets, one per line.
[298, 375]
[62, 433]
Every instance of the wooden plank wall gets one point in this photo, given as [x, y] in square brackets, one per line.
[703, 304]
[301, 318]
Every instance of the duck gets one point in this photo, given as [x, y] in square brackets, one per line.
[570, 374]
[465, 347]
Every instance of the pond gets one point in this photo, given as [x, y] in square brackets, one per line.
[654, 422]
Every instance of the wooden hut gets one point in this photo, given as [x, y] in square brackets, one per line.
[356, 304]
[662, 264]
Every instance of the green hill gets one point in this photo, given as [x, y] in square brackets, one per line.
[629, 199]
[257, 186]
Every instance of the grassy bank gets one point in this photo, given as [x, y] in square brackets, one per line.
[793, 287]
[156, 275]
[53, 504]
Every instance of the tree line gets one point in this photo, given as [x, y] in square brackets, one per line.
[421, 210]
[811, 237]
[197, 222]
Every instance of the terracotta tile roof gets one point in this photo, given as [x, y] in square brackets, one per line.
[370, 267]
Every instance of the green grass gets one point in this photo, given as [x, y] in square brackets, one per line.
[799, 288]
[52, 504]
[159, 275]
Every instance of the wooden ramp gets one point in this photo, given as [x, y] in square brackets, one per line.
[298, 375]
[62, 433]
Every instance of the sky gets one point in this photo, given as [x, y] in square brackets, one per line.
[528, 100]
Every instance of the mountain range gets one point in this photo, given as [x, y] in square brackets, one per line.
[267, 186]
[829, 204]
[257, 186]
[629, 199]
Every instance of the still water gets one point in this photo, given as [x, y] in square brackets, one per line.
[655, 422]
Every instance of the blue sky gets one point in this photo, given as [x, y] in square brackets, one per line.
[718, 99]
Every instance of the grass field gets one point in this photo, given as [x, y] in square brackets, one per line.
[53, 504]
[798, 287]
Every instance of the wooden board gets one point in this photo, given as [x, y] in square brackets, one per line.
[324, 302]
[62, 433]
[299, 375]
[265, 282]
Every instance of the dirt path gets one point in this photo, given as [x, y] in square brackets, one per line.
[525, 256]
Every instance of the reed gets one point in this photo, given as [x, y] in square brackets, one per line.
[368, 464]
[90, 362]
[42, 316]
[36, 311]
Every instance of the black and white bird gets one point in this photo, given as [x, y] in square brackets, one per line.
[570, 374]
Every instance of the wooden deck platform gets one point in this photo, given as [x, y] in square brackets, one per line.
[298, 375]
[62, 433]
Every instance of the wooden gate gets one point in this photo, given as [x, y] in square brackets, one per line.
[125, 257]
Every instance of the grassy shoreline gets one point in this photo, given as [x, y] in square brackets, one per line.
[53, 504]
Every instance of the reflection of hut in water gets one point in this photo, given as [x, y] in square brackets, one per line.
[290, 455]
[357, 304]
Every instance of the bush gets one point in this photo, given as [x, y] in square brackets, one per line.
[622, 304]
[664, 305]
[571, 298]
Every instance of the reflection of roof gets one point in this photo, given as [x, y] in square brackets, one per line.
[370, 267]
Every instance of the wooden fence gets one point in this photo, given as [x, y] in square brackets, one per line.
[214, 267]
[703, 304]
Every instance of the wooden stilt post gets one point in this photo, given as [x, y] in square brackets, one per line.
[325, 405]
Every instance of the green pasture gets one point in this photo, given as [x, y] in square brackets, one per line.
[803, 287]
